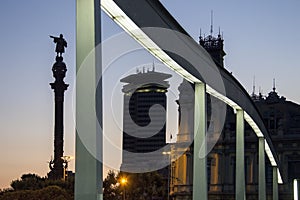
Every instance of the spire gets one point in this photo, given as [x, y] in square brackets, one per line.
[153, 66]
[253, 92]
[274, 87]
[273, 96]
[211, 22]
[260, 90]
[200, 34]
[213, 45]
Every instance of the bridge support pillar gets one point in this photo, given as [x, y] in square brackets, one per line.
[88, 168]
[261, 169]
[240, 160]
[275, 183]
[200, 166]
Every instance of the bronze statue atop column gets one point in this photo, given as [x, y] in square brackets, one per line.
[59, 70]
[61, 43]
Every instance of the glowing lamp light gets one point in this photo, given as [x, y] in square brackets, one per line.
[123, 181]
[166, 153]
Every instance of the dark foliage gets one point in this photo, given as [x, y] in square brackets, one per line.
[142, 186]
[111, 187]
[47, 193]
[32, 186]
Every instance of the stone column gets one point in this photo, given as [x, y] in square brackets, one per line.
[59, 70]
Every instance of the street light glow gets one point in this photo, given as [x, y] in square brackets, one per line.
[123, 181]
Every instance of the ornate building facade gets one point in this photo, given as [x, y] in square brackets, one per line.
[282, 119]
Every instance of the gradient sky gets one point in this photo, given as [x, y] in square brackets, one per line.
[261, 40]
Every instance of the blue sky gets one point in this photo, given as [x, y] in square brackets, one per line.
[27, 55]
[261, 40]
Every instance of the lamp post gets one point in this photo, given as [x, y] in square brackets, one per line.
[169, 169]
[66, 160]
[123, 182]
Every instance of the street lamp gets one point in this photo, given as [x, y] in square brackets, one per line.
[123, 182]
[66, 160]
[169, 169]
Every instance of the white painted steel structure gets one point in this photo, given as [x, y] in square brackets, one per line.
[132, 15]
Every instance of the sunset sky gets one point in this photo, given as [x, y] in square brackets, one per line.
[261, 40]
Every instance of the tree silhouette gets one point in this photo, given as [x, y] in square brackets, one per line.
[47, 193]
[111, 187]
[139, 186]
[32, 186]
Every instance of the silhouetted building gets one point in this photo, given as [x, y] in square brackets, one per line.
[282, 120]
[144, 117]
[214, 46]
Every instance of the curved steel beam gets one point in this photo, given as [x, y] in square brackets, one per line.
[141, 19]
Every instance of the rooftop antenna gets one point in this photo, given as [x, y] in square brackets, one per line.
[200, 34]
[260, 90]
[253, 92]
[153, 66]
[211, 22]
[274, 88]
